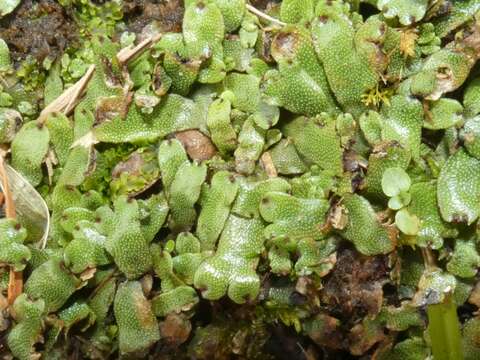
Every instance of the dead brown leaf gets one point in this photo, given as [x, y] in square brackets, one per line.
[327, 332]
[15, 281]
[364, 336]
[175, 329]
[198, 146]
[338, 216]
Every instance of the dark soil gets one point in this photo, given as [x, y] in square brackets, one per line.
[355, 286]
[38, 28]
[166, 14]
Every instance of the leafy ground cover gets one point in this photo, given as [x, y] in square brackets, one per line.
[221, 179]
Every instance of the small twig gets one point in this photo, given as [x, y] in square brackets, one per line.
[15, 285]
[66, 102]
[129, 52]
[428, 258]
[264, 16]
[80, 87]
[15, 282]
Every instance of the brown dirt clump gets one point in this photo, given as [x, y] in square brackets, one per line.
[38, 28]
[167, 14]
[355, 286]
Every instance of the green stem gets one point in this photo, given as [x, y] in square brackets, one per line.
[444, 330]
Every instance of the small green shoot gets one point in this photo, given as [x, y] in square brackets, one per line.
[407, 223]
[395, 181]
[396, 185]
